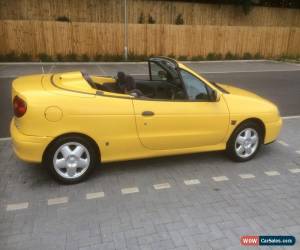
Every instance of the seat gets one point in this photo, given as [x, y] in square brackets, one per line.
[115, 87]
[130, 87]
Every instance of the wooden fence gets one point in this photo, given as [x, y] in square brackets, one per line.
[165, 12]
[34, 37]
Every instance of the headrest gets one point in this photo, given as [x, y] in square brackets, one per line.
[121, 75]
[129, 83]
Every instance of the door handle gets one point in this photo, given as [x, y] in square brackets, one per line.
[147, 113]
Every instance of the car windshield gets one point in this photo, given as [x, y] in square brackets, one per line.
[195, 88]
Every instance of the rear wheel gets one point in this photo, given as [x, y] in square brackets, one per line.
[71, 159]
[245, 142]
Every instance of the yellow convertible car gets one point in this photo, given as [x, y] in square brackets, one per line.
[72, 121]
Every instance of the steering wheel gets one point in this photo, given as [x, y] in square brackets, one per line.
[173, 90]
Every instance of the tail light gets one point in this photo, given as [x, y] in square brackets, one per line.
[20, 106]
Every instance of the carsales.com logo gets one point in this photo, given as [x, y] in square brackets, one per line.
[248, 240]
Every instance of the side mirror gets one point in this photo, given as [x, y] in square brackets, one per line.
[215, 96]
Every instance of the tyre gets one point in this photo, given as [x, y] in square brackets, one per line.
[245, 142]
[71, 159]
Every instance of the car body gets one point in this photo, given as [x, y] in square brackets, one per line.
[178, 112]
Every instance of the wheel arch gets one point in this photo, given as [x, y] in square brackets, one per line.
[90, 139]
[258, 121]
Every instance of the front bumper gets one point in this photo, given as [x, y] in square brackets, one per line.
[28, 148]
[272, 130]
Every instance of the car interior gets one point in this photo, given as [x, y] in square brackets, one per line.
[163, 83]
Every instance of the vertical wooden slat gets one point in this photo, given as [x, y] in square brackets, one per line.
[34, 37]
[162, 11]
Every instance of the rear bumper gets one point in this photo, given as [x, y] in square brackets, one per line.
[272, 130]
[28, 148]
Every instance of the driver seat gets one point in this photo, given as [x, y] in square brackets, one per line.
[130, 87]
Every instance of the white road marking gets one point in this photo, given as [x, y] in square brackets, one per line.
[102, 70]
[248, 71]
[130, 190]
[272, 173]
[5, 139]
[291, 117]
[294, 170]
[161, 186]
[96, 195]
[56, 201]
[191, 182]
[51, 68]
[17, 206]
[283, 143]
[220, 178]
[298, 152]
[247, 176]
[43, 71]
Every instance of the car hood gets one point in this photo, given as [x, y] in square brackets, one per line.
[242, 101]
[238, 91]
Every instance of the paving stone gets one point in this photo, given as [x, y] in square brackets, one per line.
[211, 215]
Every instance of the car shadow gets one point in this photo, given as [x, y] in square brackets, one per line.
[165, 162]
[37, 175]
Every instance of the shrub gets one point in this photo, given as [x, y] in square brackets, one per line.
[105, 58]
[63, 19]
[84, 58]
[211, 56]
[44, 57]
[258, 56]
[72, 57]
[230, 56]
[142, 58]
[11, 57]
[247, 56]
[151, 20]
[182, 58]
[197, 58]
[292, 57]
[179, 20]
[219, 56]
[24, 57]
[289, 57]
[59, 57]
[2, 57]
[141, 18]
[117, 58]
[137, 58]
[98, 57]
[109, 58]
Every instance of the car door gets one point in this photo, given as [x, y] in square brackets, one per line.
[176, 124]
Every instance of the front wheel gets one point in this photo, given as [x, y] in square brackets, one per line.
[71, 159]
[244, 142]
